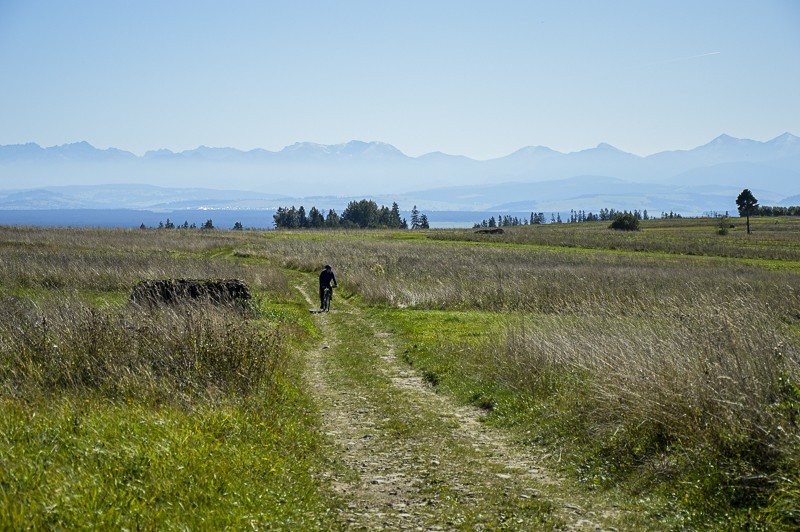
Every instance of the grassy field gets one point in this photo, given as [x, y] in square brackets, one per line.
[116, 416]
[662, 363]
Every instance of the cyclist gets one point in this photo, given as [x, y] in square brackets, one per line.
[325, 279]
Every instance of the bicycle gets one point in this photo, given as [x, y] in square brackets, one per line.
[327, 294]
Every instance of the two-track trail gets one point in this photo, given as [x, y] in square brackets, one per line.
[409, 458]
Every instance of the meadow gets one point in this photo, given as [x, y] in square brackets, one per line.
[662, 363]
[665, 360]
[117, 416]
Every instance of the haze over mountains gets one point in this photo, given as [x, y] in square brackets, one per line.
[691, 182]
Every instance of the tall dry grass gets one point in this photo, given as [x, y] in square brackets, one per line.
[55, 337]
[115, 260]
[705, 376]
[704, 400]
[176, 355]
[507, 278]
[690, 340]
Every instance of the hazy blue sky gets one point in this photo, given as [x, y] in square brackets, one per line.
[480, 79]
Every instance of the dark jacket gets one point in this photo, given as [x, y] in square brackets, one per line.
[326, 277]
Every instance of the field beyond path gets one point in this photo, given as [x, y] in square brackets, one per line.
[410, 458]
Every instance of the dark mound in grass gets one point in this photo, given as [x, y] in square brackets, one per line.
[157, 291]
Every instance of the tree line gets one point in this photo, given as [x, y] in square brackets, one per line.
[366, 214]
[766, 210]
[363, 214]
[579, 216]
[169, 224]
[746, 203]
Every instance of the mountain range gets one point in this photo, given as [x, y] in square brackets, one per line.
[691, 182]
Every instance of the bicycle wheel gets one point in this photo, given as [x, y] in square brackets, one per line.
[326, 300]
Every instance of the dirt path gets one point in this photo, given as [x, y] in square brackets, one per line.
[411, 459]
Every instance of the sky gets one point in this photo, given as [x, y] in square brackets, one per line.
[480, 79]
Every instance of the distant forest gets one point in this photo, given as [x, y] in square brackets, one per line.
[603, 215]
[363, 214]
[537, 218]
[763, 210]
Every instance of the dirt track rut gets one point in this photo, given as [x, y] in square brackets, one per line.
[411, 459]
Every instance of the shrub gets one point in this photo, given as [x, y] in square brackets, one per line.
[625, 222]
[723, 225]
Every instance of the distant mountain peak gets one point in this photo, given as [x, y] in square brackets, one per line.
[359, 146]
[785, 139]
[606, 147]
[351, 149]
[301, 145]
[162, 152]
[206, 150]
[535, 150]
[603, 149]
[81, 146]
[82, 150]
[442, 157]
[726, 140]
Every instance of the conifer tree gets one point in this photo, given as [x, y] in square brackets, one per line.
[332, 220]
[394, 217]
[423, 221]
[746, 203]
[414, 218]
[302, 221]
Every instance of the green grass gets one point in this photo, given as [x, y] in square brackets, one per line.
[76, 463]
[426, 333]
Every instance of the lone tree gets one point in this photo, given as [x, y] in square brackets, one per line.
[746, 202]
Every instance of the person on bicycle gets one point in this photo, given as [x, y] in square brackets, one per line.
[325, 279]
